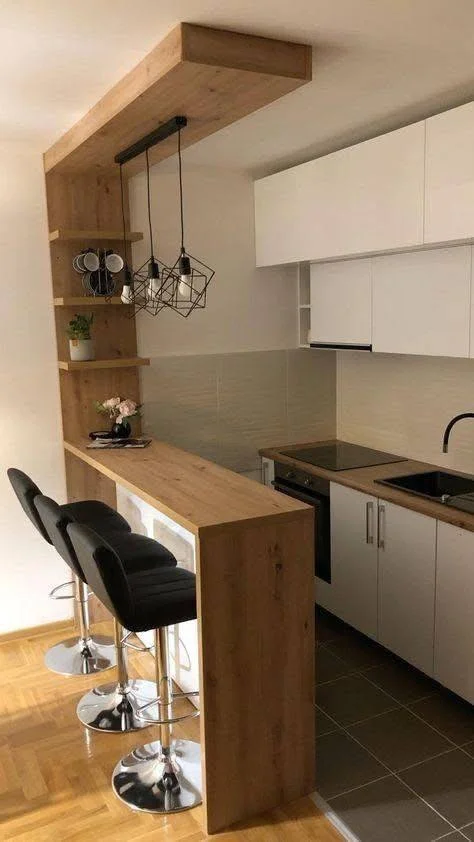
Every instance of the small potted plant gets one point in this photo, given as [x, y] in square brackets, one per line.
[81, 345]
[119, 411]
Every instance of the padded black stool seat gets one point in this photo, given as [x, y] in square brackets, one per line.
[164, 776]
[110, 707]
[86, 654]
[160, 597]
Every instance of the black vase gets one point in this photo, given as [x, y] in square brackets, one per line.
[121, 431]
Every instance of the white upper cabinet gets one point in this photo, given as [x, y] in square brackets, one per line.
[366, 198]
[341, 303]
[421, 302]
[449, 202]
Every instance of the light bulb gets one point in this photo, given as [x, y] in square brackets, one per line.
[184, 271]
[126, 297]
[153, 278]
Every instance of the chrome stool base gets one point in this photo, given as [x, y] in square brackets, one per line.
[109, 709]
[154, 782]
[79, 657]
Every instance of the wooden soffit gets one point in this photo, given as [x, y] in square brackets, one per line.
[212, 76]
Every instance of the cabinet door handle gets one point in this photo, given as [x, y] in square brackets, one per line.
[369, 523]
[381, 527]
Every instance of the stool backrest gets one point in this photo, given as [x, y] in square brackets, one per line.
[26, 491]
[55, 521]
[103, 569]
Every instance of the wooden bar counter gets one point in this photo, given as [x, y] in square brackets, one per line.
[255, 595]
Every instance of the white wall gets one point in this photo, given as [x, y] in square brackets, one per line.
[248, 309]
[30, 429]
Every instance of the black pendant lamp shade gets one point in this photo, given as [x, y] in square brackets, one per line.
[186, 288]
[148, 279]
[154, 286]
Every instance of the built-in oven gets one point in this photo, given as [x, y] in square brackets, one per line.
[315, 491]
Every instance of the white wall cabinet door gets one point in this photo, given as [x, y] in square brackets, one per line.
[341, 302]
[407, 567]
[449, 189]
[421, 302]
[365, 198]
[454, 627]
[354, 558]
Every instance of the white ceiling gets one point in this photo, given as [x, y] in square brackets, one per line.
[377, 64]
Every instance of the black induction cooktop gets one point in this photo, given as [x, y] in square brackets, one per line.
[342, 456]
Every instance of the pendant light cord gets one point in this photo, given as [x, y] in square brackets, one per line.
[180, 190]
[149, 202]
[124, 229]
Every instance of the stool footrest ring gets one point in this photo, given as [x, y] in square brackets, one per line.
[54, 594]
[171, 721]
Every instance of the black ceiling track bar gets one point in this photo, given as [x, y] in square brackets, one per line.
[156, 136]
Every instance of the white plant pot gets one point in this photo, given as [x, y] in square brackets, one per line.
[81, 349]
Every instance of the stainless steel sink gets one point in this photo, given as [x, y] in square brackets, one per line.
[434, 485]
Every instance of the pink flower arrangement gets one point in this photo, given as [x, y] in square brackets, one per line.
[118, 409]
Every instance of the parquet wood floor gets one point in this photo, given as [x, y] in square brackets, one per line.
[55, 774]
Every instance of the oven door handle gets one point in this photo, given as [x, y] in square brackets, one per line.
[298, 495]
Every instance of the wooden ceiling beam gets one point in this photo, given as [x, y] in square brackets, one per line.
[213, 77]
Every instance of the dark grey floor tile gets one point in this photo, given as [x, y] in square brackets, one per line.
[402, 681]
[324, 725]
[329, 627]
[386, 811]
[469, 748]
[399, 739]
[351, 699]
[359, 652]
[447, 783]
[469, 832]
[454, 836]
[341, 764]
[449, 714]
[329, 666]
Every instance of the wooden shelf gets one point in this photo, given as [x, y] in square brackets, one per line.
[88, 301]
[119, 362]
[65, 234]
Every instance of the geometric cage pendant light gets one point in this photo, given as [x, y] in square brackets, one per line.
[155, 285]
[185, 288]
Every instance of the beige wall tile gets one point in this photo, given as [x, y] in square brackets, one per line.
[311, 381]
[180, 402]
[252, 406]
[403, 403]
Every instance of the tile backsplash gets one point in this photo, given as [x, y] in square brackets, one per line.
[403, 403]
[226, 406]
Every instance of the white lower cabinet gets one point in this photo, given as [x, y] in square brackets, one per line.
[454, 626]
[383, 564]
[406, 589]
[354, 558]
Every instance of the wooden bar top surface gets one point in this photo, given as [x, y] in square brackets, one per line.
[364, 479]
[192, 491]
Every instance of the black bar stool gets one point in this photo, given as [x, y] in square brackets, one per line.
[110, 707]
[164, 776]
[86, 654]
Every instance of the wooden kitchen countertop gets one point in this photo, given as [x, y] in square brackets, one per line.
[192, 491]
[363, 479]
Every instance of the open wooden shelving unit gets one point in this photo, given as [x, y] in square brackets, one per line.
[88, 301]
[88, 365]
[213, 78]
[70, 234]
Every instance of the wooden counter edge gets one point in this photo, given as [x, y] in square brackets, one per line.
[455, 517]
